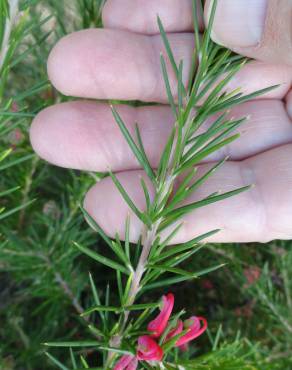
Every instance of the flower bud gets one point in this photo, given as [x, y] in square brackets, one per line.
[148, 349]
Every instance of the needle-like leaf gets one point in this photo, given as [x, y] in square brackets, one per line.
[102, 259]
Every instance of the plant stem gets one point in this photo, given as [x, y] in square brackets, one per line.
[149, 235]
[68, 292]
[26, 191]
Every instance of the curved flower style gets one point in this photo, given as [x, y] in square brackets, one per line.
[127, 362]
[179, 328]
[158, 325]
[148, 349]
[195, 329]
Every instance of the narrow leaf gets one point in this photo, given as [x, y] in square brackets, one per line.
[90, 343]
[167, 86]
[128, 200]
[101, 259]
[56, 362]
[141, 157]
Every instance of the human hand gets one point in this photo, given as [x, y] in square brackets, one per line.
[122, 62]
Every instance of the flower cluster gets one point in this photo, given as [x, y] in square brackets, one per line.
[149, 350]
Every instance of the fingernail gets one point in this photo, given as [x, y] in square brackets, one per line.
[239, 23]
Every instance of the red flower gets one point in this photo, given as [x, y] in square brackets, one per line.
[127, 362]
[148, 349]
[195, 329]
[157, 326]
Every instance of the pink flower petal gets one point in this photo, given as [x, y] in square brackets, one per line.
[148, 349]
[123, 362]
[195, 330]
[133, 364]
[158, 325]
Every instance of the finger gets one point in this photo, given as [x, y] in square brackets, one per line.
[260, 29]
[108, 64]
[289, 103]
[84, 135]
[260, 214]
[131, 15]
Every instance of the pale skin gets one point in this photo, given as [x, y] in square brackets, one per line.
[122, 62]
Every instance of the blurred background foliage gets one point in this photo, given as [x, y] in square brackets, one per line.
[44, 280]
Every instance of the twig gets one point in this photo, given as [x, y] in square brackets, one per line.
[277, 356]
[67, 290]
[65, 287]
[26, 190]
[272, 307]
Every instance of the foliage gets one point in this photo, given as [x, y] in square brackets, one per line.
[44, 279]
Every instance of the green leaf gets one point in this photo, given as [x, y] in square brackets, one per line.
[17, 114]
[14, 210]
[5, 154]
[101, 259]
[120, 286]
[17, 161]
[73, 360]
[115, 246]
[102, 309]
[115, 309]
[56, 362]
[140, 155]
[166, 282]
[127, 289]
[96, 332]
[196, 158]
[234, 102]
[146, 195]
[116, 350]
[85, 343]
[96, 297]
[209, 269]
[36, 89]
[148, 168]
[164, 160]
[173, 250]
[174, 270]
[180, 87]
[84, 362]
[9, 191]
[178, 279]
[167, 86]
[96, 227]
[141, 306]
[167, 46]
[94, 290]
[184, 185]
[184, 194]
[129, 201]
[179, 212]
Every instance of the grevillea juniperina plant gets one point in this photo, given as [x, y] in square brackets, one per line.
[127, 335]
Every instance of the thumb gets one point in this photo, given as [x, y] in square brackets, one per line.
[260, 29]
